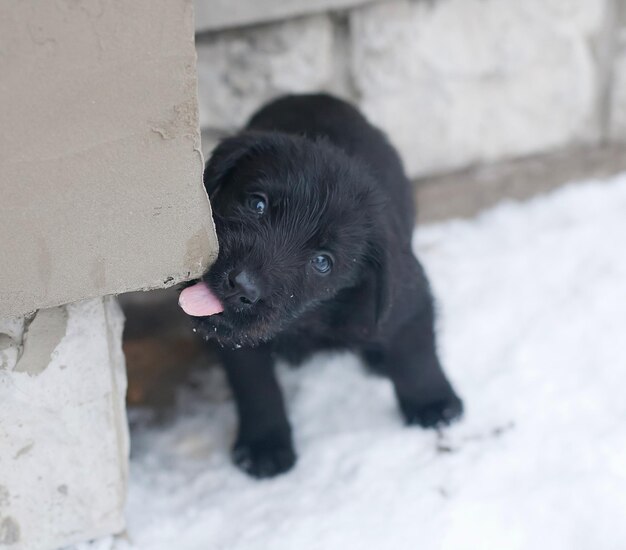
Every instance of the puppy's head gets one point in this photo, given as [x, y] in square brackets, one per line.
[297, 223]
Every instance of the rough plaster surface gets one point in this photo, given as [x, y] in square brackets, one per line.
[458, 82]
[238, 70]
[100, 163]
[220, 14]
[44, 331]
[63, 432]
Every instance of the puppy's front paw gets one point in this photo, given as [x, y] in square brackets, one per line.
[265, 457]
[434, 414]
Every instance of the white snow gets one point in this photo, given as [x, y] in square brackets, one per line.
[532, 301]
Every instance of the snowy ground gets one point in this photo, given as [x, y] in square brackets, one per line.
[532, 301]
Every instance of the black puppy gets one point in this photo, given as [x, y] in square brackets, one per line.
[314, 216]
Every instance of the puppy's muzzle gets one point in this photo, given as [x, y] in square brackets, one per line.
[244, 290]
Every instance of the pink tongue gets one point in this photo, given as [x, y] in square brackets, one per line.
[199, 301]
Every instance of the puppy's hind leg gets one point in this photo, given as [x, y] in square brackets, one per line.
[263, 447]
[425, 395]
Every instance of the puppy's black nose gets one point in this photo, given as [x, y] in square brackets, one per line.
[244, 290]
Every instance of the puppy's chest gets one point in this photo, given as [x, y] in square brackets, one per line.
[297, 348]
[302, 340]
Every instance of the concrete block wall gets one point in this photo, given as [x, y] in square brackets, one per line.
[238, 69]
[63, 431]
[454, 83]
[100, 173]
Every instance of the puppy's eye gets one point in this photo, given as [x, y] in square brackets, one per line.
[257, 202]
[322, 263]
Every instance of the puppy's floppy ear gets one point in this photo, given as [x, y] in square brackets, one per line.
[226, 156]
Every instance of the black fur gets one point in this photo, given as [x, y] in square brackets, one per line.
[334, 185]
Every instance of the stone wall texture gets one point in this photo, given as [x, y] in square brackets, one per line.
[454, 83]
[238, 70]
[63, 432]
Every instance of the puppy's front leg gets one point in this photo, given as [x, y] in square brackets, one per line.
[425, 395]
[264, 446]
